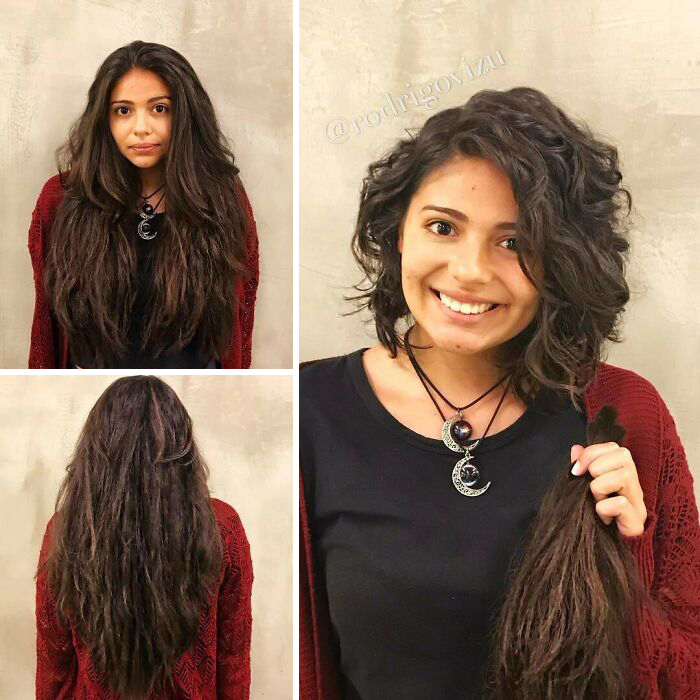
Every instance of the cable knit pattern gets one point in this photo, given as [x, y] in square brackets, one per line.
[663, 652]
[215, 667]
[48, 347]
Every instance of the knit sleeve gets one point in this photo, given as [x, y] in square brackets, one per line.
[41, 352]
[250, 285]
[234, 615]
[55, 655]
[669, 564]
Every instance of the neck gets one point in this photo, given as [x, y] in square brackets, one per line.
[460, 377]
[151, 180]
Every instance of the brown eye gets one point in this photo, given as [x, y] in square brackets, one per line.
[444, 229]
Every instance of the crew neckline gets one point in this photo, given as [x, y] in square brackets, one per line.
[369, 398]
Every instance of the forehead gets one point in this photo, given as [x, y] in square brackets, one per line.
[468, 183]
[139, 85]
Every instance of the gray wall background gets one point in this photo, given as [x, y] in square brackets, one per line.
[242, 52]
[630, 69]
[250, 468]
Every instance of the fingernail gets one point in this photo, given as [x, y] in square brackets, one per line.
[575, 469]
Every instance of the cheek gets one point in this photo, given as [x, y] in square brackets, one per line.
[117, 131]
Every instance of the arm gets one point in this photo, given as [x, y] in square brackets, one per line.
[250, 285]
[670, 568]
[318, 667]
[41, 353]
[234, 618]
[55, 656]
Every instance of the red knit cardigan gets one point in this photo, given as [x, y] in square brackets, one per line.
[215, 667]
[664, 652]
[49, 346]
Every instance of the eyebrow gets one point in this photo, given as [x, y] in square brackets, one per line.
[153, 99]
[503, 225]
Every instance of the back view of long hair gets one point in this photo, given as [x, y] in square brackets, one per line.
[135, 549]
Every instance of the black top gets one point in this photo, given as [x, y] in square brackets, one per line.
[187, 357]
[413, 569]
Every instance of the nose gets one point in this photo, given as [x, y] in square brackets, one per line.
[141, 125]
[470, 262]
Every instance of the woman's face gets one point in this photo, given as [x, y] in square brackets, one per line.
[457, 243]
[140, 112]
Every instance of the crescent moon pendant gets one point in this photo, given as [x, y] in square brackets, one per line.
[459, 483]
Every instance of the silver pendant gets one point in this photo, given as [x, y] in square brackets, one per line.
[144, 227]
[465, 475]
[447, 434]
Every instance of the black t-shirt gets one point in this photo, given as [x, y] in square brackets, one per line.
[188, 356]
[414, 570]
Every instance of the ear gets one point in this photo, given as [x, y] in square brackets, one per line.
[399, 242]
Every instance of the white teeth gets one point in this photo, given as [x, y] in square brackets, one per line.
[463, 308]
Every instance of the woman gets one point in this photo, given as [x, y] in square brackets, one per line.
[144, 582]
[144, 246]
[446, 551]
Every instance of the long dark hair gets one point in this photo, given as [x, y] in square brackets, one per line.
[135, 548]
[571, 598]
[566, 183]
[91, 262]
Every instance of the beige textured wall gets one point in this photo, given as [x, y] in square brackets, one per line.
[242, 53]
[243, 425]
[630, 69]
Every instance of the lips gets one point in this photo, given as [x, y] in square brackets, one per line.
[148, 147]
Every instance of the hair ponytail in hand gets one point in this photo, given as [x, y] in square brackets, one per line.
[561, 630]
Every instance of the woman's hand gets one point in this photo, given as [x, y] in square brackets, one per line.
[615, 485]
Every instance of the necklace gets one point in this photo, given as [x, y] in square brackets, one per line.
[456, 431]
[146, 214]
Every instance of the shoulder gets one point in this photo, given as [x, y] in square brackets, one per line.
[242, 195]
[325, 378]
[53, 190]
[232, 533]
[312, 370]
[619, 385]
[47, 539]
[226, 515]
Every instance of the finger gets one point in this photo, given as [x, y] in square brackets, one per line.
[589, 454]
[616, 458]
[629, 522]
[612, 482]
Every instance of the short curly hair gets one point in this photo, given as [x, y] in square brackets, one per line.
[572, 220]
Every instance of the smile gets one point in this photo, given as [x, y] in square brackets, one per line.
[463, 308]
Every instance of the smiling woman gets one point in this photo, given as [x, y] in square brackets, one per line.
[144, 246]
[447, 550]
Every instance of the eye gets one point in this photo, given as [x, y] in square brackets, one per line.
[515, 242]
[443, 225]
[165, 109]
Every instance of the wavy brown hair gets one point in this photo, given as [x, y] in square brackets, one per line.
[135, 549]
[91, 262]
[571, 598]
[571, 218]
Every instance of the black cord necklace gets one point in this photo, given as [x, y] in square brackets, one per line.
[456, 431]
[146, 214]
